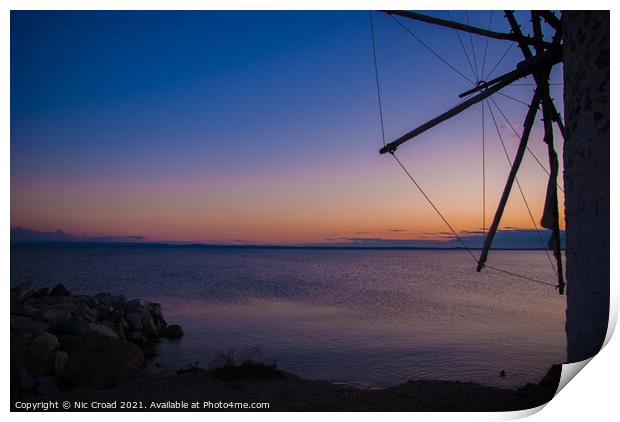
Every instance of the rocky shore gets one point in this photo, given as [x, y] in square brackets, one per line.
[61, 341]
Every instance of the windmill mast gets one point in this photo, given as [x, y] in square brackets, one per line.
[537, 64]
[581, 43]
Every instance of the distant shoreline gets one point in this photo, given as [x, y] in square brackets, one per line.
[75, 244]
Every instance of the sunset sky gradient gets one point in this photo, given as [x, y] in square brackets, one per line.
[254, 127]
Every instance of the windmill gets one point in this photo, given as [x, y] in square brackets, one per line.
[539, 58]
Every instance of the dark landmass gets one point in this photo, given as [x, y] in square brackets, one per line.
[508, 238]
[77, 244]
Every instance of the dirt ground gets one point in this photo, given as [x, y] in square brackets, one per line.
[287, 392]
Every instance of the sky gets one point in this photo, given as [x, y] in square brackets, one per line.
[259, 127]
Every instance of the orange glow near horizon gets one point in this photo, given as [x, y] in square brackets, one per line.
[326, 204]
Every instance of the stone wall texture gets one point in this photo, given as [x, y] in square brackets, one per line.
[586, 180]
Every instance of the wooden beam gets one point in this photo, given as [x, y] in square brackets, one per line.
[537, 27]
[482, 86]
[527, 128]
[550, 114]
[468, 28]
[553, 112]
[550, 218]
[551, 19]
[523, 69]
[516, 30]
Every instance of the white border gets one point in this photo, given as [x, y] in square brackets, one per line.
[592, 393]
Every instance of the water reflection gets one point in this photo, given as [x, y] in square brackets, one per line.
[372, 318]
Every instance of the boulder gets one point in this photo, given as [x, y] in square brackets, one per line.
[103, 311]
[155, 309]
[48, 300]
[132, 306]
[124, 324]
[20, 337]
[19, 320]
[89, 317]
[75, 326]
[23, 291]
[25, 310]
[102, 329]
[60, 360]
[43, 292]
[115, 315]
[172, 331]
[68, 342]
[117, 327]
[85, 299]
[35, 355]
[100, 362]
[46, 341]
[108, 299]
[60, 290]
[47, 385]
[148, 325]
[54, 315]
[104, 298]
[85, 311]
[135, 321]
[66, 303]
[136, 337]
[158, 318]
[22, 379]
[30, 329]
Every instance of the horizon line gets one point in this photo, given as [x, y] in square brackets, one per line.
[173, 244]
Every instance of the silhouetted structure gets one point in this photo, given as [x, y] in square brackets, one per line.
[586, 179]
[581, 43]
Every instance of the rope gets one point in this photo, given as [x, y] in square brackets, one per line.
[527, 206]
[456, 234]
[458, 36]
[519, 275]
[431, 50]
[374, 55]
[473, 51]
[498, 62]
[513, 98]
[434, 207]
[486, 46]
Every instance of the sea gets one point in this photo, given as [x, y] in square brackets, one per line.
[370, 318]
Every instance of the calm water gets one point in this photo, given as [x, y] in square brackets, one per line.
[364, 317]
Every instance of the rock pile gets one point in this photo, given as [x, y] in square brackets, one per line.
[59, 340]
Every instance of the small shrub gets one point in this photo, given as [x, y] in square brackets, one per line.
[251, 367]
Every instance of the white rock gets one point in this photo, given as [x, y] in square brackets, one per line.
[103, 330]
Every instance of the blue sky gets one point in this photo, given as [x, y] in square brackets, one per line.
[209, 126]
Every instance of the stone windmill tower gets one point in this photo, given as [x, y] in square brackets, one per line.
[586, 180]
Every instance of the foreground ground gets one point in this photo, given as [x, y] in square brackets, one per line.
[286, 392]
